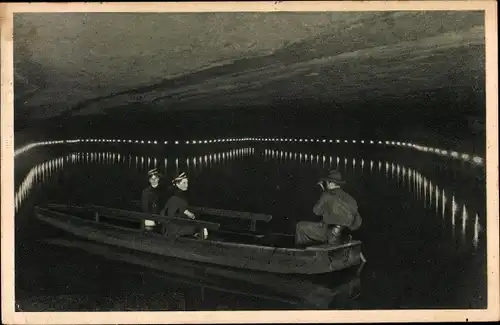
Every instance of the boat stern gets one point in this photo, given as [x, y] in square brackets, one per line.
[335, 257]
[345, 256]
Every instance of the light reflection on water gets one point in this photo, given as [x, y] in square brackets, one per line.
[42, 172]
[37, 175]
[454, 208]
[465, 217]
[443, 203]
[476, 231]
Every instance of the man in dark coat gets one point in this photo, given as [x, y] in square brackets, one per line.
[338, 210]
[152, 198]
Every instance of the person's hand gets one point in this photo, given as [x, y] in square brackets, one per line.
[190, 214]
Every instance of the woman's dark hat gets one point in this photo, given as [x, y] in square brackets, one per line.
[153, 172]
[334, 176]
[179, 178]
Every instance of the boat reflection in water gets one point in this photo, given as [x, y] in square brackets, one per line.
[291, 292]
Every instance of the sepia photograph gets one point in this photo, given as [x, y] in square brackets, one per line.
[249, 162]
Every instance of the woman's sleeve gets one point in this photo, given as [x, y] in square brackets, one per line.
[175, 205]
[171, 207]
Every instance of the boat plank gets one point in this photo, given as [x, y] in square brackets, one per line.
[331, 247]
[132, 215]
[156, 217]
[226, 213]
[232, 214]
[81, 209]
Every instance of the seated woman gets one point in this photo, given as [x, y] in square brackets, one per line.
[338, 211]
[177, 206]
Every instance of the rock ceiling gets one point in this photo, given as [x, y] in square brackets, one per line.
[92, 63]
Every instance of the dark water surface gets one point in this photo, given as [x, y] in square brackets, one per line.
[423, 228]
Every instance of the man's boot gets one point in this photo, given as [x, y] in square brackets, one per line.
[335, 235]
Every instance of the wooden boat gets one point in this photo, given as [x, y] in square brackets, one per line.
[244, 249]
[299, 291]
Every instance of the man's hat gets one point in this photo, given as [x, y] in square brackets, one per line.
[334, 176]
[154, 172]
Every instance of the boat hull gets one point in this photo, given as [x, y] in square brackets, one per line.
[312, 260]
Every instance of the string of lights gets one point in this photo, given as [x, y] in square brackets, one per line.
[466, 157]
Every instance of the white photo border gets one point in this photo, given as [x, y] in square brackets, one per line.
[9, 316]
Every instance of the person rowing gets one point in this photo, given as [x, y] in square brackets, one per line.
[177, 206]
[338, 210]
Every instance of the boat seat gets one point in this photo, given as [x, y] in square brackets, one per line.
[324, 247]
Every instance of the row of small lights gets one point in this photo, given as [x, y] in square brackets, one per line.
[38, 144]
[32, 176]
[389, 167]
[476, 160]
